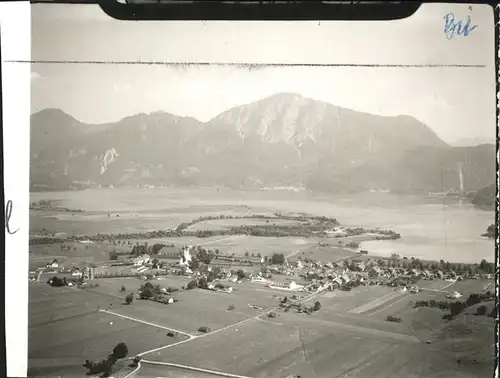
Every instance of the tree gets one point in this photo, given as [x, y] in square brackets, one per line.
[123, 288]
[105, 366]
[486, 267]
[246, 254]
[493, 313]
[317, 306]
[481, 310]
[202, 283]
[240, 273]
[191, 285]
[456, 308]
[277, 259]
[217, 251]
[146, 293]
[113, 255]
[194, 264]
[203, 256]
[129, 298]
[155, 263]
[473, 299]
[120, 350]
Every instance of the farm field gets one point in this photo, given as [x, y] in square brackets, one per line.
[149, 370]
[262, 349]
[65, 326]
[467, 287]
[347, 301]
[124, 217]
[77, 253]
[331, 252]
[198, 308]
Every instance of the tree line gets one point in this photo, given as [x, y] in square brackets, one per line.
[456, 307]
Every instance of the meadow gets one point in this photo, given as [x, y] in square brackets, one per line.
[65, 328]
[199, 307]
[270, 349]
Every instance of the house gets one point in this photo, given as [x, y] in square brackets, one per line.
[141, 260]
[452, 274]
[53, 264]
[425, 273]
[454, 295]
[361, 266]
[374, 270]
[337, 281]
[76, 272]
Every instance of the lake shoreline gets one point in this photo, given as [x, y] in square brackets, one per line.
[424, 224]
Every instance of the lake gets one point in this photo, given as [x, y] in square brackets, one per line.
[430, 228]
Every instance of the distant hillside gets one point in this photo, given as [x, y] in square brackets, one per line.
[470, 340]
[485, 197]
[284, 139]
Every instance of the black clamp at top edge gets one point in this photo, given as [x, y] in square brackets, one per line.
[258, 10]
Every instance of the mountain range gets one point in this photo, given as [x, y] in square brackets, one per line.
[281, 140]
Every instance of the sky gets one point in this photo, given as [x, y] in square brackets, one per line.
[457, 103]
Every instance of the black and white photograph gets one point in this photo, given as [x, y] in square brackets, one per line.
[264, 199]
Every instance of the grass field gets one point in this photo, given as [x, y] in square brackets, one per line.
[123, 218]
[77, 254]
[325, 253]
[198, 308]
[263, 349]
[65, 329]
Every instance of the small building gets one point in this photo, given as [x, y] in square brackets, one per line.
[53, 264]
[141, 260]
[374, 270]
[361, 266]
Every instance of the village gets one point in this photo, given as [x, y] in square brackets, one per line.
[211, 270]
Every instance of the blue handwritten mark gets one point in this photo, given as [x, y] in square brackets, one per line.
[8, 212]
[454, 27]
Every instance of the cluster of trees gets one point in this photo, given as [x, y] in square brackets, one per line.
[253, 254]
[325, 220]
[310, 309]
[302, 230]
[382, 234]
[148, 290]
[203, 281]
[277, 259]
[487, 267]
[485, 197]
[456, 307]
[490, 231]
[397, 262]
[154, 293]
[393, 319]
[57, 281]
[51, 205]
[106, 366]
[443, 305]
